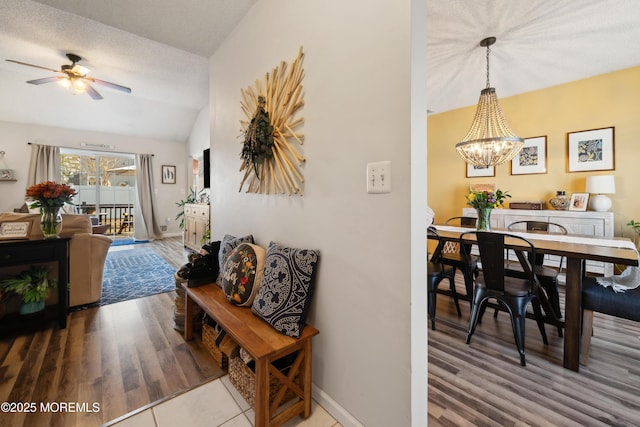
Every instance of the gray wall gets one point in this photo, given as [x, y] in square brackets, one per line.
[357, 110]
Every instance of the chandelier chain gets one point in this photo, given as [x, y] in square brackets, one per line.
[488, 49]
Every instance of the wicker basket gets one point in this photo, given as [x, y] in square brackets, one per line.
[244, 380]
[209, 335]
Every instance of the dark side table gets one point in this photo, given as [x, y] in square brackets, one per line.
[27, 252]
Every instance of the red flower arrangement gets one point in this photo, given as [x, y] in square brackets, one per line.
[50, 194]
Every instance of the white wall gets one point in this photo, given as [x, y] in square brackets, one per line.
[357, 110]
[15, 136]
[199, 138]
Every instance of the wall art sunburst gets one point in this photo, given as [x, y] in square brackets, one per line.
[271, 144]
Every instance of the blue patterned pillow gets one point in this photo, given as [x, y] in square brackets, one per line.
[285, 295]
[227, 245]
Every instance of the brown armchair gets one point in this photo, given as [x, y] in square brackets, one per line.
[87, 254]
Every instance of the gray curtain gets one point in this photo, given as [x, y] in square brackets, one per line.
[146, 225]
[44, 165]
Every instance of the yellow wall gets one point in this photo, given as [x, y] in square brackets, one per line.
[607, 100]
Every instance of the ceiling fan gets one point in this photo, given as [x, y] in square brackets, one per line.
[74, 77]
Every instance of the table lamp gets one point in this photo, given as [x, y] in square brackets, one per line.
[600, 185]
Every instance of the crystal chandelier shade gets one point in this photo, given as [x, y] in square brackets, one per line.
[490, 141]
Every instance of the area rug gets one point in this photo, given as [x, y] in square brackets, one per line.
[123, 242]
[135, 273]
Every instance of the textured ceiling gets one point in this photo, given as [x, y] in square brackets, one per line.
[540, 43]
[160, 49]
[169, 84]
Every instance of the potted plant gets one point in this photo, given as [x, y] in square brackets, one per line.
[192, 198]
[32, 285]
[636, 228]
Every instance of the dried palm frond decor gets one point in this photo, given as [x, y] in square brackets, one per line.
[258, 138]
[271, 157]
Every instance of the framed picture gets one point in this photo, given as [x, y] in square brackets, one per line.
[533, 157]
[579, 202]
[591, 150]
[490, 187]
[14, 230]
[168, 174]
[475, 171]
[6, 175]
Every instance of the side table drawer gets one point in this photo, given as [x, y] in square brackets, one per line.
[28, 254]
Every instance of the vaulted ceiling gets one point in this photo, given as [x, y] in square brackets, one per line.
[160, 49]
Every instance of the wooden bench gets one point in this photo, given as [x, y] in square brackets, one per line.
[265, 345]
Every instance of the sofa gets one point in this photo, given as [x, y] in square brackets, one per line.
[87, 253]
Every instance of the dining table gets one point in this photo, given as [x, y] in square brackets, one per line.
[576, 249]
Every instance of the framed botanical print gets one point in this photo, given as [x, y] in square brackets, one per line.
[532, 158]
[168, 174]
[591, 150]
[475, 171]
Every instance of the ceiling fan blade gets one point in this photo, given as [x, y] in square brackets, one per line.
[34, 66]
[92, 92]
[109, 84]
[45, 80]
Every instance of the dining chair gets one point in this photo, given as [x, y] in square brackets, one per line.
[513, 293]
[452, 254]
[547, 276]
[437, 271]
[605, 300]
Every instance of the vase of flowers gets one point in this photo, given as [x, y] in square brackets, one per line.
[484, 202]
[50, 197]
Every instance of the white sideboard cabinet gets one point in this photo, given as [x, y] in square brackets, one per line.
[196, 223]
[590, 224]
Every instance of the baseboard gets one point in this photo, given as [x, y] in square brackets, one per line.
[171, 235]
[332, 407]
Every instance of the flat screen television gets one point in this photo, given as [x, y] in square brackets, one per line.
[206, 160]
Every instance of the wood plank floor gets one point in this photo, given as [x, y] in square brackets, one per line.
[121, 356]
[483, 384]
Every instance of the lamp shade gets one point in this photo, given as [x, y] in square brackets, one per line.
[601, 184]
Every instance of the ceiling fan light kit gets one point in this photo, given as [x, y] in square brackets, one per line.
[490, 141]
[73, 77]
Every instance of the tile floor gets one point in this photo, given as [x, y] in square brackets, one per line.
[216, 403]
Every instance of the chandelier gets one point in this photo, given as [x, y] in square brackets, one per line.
[490, 141]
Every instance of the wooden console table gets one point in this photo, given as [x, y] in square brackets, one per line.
[27, 252]
[265, 345]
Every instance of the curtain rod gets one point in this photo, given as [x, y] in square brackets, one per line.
[76, 148]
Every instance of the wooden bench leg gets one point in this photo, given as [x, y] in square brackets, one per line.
[307, 378]
[587, 332]
[188, 317]
[263, 417]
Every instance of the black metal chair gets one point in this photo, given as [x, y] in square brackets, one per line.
[513, 293]
[452, 254]
[547, 276]
[437, 271]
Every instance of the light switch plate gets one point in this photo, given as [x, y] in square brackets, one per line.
[379, 177]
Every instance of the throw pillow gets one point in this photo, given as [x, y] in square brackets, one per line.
[227, 244]
[242, 273]
[285, 295]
